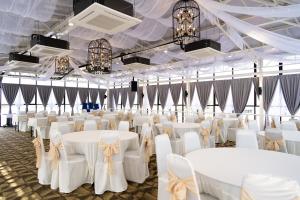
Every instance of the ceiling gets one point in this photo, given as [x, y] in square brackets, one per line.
[51, 17]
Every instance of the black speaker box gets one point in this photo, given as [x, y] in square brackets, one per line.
[134, 86]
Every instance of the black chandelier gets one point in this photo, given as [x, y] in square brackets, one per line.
[62, 65]
[186, 22]
[99, 57]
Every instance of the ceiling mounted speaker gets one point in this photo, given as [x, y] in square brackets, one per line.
[136, 62]
[105, 16]
[47, 46]
[22, 63]
[203, 48]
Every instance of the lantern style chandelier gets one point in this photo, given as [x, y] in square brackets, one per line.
[62, 65]
[99, 57]
[186, 22]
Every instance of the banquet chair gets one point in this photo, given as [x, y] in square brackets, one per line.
[69, 170]
[23, 123]
[136, 162]
[66, 114]
[39, 115]
[190, 118]
[52, 113]
[289, 126]
[90, 125]
[61, 119]
[246, 139]
[262, 187]
[176, 142]
[275, 122]
[123, 126]
[191, 142]
[163, 149]
[274, 140]
[43, 162]
[43, 128]
[208, 133]
[253, 125]
[109, 171]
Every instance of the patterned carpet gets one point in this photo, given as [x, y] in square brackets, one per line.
[18, 175]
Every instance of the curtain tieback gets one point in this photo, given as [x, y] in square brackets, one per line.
[38, 148]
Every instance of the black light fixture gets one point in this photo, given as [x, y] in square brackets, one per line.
[186, 22]
[99, 57]
[62, 65]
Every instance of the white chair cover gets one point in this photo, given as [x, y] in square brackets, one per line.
[213, 138]
[191, 142]
[274, 140]
[89, 125]
[109, 171]
[61, 118]
[246, 139]
[123, 126]
[190, 118]
[66, 114]
[262, 187]
[23, 123]
[176, 142]
[42, 127]
[289, 126]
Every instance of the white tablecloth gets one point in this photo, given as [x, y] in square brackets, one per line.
[181, 128]
[86, 143]
[54, 125]
[220, 171]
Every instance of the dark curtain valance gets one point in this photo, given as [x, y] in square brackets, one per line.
[10, 92]
[203, 90]
[221, 89]
[44, 92]
[124, 96]
[72, 94]
[175, 90]
[102, 96]
[140, 96]
[240, 93]
[59, 94]
[94, 95]
[163, 91]
[151, 93]
[192, 91]
[83, 95]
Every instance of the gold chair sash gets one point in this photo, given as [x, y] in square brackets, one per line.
[38, 148]
[130, 119]
[168, 131]
[112, 125]
[101, 113]
[179, 187]
[156, 119]
[79, 126]
[51, 119]
[109, 150]
[148, 148]
[274, 145]
[241, 123]
[200, 119]
[54, 155]
[99, 125]
[205, 133]
[173, 118]
[273, 124]
[120, 116]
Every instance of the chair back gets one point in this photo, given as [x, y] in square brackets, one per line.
[181, 169]
[123, 126]
[90, 125]
[253, 125]
[246, 139]
[190, 118]
[41, 122]
[62, 118]
[289, 126]
[52, 113]
[66, 114]
[262, 187]
[162, 149]
[191, 142]
[65, 128]
[274, 140]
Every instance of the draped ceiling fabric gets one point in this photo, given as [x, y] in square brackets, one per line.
[192, 91]
[44, 92]
[72, 94]
[290, 86]
[102, 96]
[124, 92]
[83, 95]
[175, 90]
[203, 90]
[269, 86]
[131, 97]
[94, 95]
[221, 89]
[28, 92]
[140, 96]
[256, 85]
[10, 92]
[59, 94]
[163, 91]
[240, 93]
[151, 92]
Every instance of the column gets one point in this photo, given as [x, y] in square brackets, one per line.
[261, 103]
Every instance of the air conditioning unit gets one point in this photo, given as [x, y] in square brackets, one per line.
[47, 46]
[136, 62]
[203, 48]
[105, 16]
[22, 63]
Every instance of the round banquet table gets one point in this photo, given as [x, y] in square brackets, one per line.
[86, 143]
[181, 128]
[220, 171]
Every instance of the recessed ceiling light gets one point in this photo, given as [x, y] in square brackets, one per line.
[165, 51]
[71, 24]
[230, 56]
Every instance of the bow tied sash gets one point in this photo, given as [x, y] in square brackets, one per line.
[79, 126]
[148, 144]
[179, 187]
[273, 124]
[38, 150]
[112, 125]
[168, 131]
[156, 119]
[173, 118]
[274, 144]
[205, 132]
[109, 150]
[54, 155]
[51, 119]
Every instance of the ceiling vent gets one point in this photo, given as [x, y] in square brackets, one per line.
[136, 62]
[47, 46]
[105, 16]
[22, 63]
[203, 48]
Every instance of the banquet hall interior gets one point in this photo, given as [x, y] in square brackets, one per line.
[150, 99]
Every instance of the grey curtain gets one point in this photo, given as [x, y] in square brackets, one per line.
[203, 90]
[83, 95]
[140, 96]
[102, 96]
[10, 92]
[28, 92]
[175, 90]
[183, 92]
[110, 102]
[192, 91]
[240, 93]
[72, 94]
[290, 86]
[116, 93]
[221, 89]
[124, 96]
[131, 97]
[163, 91]
[93, 95]
[59, 94]
[269, 86]
[151, 92]
[256, 85]
[44, 92]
